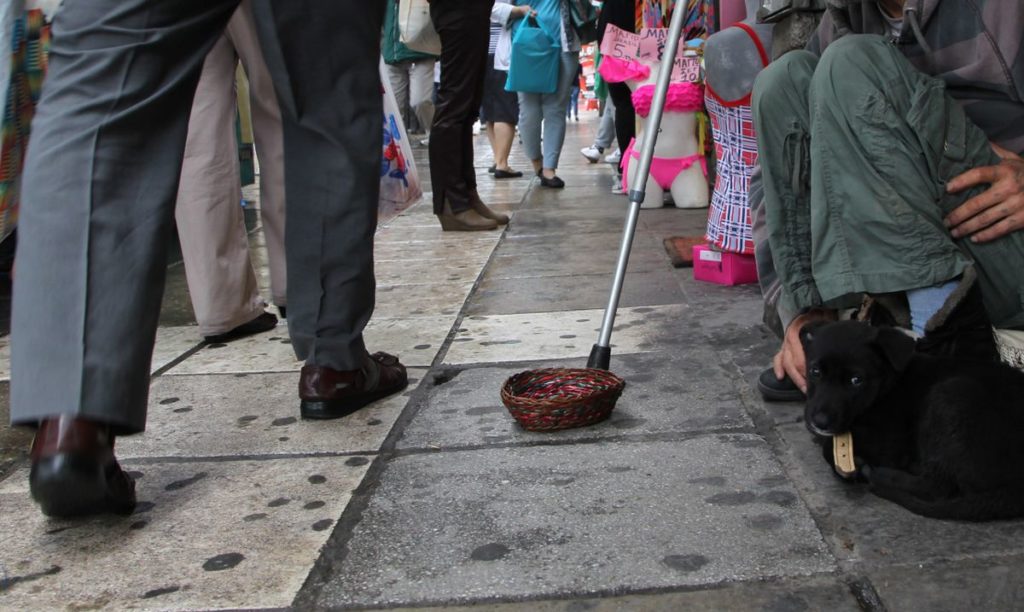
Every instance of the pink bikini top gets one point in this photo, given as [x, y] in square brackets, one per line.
[681, 97]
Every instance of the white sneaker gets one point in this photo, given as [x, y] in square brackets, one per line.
[614, 157]
[592, 153]
[617, 189]
[476, 128]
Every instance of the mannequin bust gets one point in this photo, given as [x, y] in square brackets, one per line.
[678, 146]
[733, 57]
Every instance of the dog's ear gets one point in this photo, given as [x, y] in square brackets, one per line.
[895, 346]
[808, 331]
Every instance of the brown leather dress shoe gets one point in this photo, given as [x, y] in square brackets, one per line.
[74, 472]
[332, 394]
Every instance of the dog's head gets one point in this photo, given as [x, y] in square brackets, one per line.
[849, 365]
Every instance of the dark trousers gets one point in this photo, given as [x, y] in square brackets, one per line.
[464, 29]
[625, 116]
[102, 173]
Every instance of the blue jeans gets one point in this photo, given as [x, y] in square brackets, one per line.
[549, 108]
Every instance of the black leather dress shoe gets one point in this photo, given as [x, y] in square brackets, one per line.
[332, 394]
[264, 322]
[775, 390]
[74, 472]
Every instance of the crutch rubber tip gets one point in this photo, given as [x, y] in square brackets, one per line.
[600, 357]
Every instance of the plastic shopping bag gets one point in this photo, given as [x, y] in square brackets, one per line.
[399, 181]
[536, 58]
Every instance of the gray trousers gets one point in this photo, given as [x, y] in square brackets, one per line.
[856, 150]
[101, 178]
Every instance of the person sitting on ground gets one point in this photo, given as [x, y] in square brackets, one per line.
[891, 167]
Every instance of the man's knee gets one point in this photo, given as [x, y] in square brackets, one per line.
[855, 63]
[781, 81]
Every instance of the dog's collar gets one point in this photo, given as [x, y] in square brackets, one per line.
[842, 454]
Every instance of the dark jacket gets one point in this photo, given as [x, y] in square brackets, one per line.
[975, 46]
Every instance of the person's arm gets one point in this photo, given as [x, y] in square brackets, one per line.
[995, 212]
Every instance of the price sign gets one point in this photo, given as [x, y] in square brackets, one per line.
[648, 47]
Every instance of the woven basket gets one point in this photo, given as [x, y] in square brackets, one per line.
[560, 398]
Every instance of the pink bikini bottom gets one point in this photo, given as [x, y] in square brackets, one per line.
[664, 170]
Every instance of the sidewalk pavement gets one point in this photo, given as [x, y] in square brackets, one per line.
[694, 495]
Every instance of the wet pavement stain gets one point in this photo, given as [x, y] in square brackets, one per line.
[138, 525]
[313, 505]
[184, 409]
[161, 591]
[322, 524]
[181, 484]
[254, 517]
[736, 498]
[245, 420]
[764, 522]
[357, 461]
[169, 400]
[374, 422]
[715, 481]
[283, 421]
[223, 562]
[489, 552]
[317, 479]
[685, 563]
[143, 506]
[280, 501]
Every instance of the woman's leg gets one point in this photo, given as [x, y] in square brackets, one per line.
[554, 121]
[530, 113]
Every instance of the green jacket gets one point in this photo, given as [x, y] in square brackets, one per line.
[393, 50]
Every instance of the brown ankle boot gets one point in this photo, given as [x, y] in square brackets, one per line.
[485, 211]
[466, 221]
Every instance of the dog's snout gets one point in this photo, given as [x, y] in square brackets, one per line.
[821, 420]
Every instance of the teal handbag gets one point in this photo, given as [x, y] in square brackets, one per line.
[536, 58]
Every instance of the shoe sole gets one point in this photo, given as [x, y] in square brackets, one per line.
[324, 410]
[66, 486]
[451, 225]
[776, 395]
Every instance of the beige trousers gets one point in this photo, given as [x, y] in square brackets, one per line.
[211, 225]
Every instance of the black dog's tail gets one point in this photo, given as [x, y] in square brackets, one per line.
[998, 504]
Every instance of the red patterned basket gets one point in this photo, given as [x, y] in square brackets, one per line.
[560, 398]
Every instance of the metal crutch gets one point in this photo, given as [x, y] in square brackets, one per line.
[601, 353]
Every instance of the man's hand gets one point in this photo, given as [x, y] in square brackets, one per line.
[998, 210]
[790, 361]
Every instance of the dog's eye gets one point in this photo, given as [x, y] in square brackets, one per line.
[856, 381]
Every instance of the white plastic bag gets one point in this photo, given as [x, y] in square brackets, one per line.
[415, 28]
[399, 181]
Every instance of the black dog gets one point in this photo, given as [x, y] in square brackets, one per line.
[941, 437]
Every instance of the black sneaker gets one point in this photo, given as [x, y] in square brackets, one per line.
[965, 334]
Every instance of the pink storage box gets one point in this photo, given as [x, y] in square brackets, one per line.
[723, 268]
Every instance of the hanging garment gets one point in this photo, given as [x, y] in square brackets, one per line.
[732, 126]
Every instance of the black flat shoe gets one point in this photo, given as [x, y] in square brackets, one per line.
[264, 322]
[552, 183]
[74, 472]
[504, 174]
[492, 169]
[774, 390]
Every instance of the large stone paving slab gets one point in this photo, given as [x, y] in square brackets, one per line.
[396, 301]
[793, 595]
[208, 535]
[576, 292]
[561, 335]
[605, 517]
[663, 394]
[973, 584]
[863, 527]
[415, 340]
[254, 414]
[171, 343]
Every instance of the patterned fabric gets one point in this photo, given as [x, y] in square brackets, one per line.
[30, 44]
[658, 14]
[729, 220]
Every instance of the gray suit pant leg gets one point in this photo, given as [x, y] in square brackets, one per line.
[98, 203]
[328, 87]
